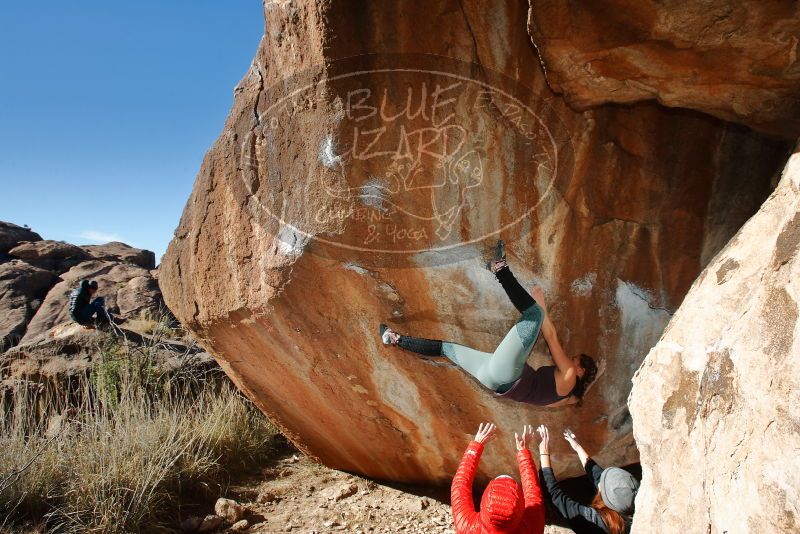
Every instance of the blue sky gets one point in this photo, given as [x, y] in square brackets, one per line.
[107, 108]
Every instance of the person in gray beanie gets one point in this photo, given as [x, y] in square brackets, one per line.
[611, 510]
[617, 487]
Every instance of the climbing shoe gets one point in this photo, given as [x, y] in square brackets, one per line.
[500, 250]
[499, 256]
[386, 335]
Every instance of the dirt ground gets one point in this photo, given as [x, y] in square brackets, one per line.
[297, 495]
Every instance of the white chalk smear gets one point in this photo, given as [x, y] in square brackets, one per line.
[641, 324]
[327, 153]
[372, 193]
[582, 287]
[290, 242]
[355, 267]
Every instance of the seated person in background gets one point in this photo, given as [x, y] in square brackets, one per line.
[85, 311]
[505, 507]
[611, 510]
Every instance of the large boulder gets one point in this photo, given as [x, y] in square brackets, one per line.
[127, 289]
[11, 235]
[372, 189]
[716, 404]
[55, 256]
[116, 251]
[736, 60]
[22, 289]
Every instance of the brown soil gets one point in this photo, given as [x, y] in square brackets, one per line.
[297, 495]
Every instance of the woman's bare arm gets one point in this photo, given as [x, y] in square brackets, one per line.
[560, 357]
[573, 442]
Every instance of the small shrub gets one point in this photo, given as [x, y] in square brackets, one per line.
[161, 325]
[118, 371]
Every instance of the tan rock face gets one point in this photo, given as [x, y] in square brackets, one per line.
[12, 235]
[22, 289]
[715, 403]
[56, 256]
[116, 251]
[735, 60]
[289, 252]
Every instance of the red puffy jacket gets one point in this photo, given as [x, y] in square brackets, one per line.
[503, 509]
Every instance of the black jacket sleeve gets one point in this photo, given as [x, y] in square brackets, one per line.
[568, 507]
[593, 471]
[520, 298]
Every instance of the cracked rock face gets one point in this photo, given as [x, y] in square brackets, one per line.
[370, 190]
[715, 404]
[734, 60]
[22, 289]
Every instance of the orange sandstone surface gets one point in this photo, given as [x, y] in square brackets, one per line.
[374, 153]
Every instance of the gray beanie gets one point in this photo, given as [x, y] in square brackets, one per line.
[618, 488]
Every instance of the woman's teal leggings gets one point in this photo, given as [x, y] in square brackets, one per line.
[499, 369]
[503, 366]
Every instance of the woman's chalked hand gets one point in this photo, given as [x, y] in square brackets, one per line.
[544, 434]
[569, 435]
[522, 442]
[486, 432]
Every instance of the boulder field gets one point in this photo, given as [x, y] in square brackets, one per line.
[374, 154]
[37, 276]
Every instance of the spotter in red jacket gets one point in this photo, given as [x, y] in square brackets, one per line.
[505, 507]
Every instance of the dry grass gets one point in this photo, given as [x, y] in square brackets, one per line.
[123, 458]
[160, 324]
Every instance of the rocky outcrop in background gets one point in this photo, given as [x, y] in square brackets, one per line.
[46, 359]
[12, 235]
[328, 205]
[128, 289]
[37, 276]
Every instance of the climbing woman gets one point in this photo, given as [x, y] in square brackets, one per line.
[505, 506]
[505, 371]
[611, 511]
